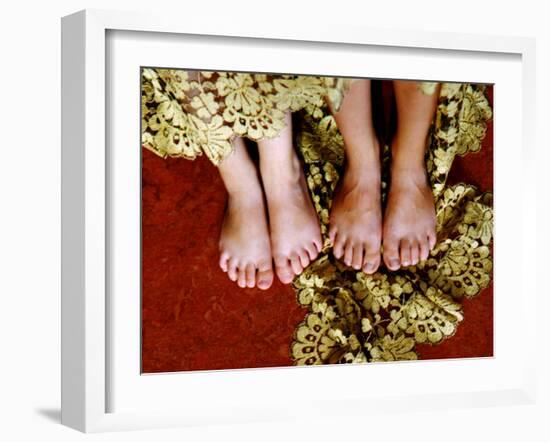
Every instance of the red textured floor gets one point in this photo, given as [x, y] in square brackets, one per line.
[194, 318]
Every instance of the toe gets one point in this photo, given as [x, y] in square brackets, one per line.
[371, 262]
[241, 280]
[224, 261]
[357, 259]
[432, 239]
[312, 251]
[304, 258]
[295, 264]
[424, 249]
[391, 253]
[415, 252]
[348, 254]
[405, 253]
[318, 242]
[264, 278]
[332, 234]
[284, 270]
[232, 270]
[250, 272]
[338, 250]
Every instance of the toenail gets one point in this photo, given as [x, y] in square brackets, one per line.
[369, 266]
[394, 263]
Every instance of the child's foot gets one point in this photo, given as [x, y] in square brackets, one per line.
[295, 231]
[293, 223]
[409, 218]
[245, 251]
[355, 217]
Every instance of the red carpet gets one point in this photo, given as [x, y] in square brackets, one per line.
[194, 318]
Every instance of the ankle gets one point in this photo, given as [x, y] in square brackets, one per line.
[408, 149]
[409, 174]
[364, 172]
[281, 170]
[361, 178]
[247, 186]
[241, 197]
[362, 146]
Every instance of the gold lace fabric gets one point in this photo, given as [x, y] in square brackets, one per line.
[185, 113]
[353, 317]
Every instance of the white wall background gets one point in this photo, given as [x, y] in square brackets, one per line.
[30, 216]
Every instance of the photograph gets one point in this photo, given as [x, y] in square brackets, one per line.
[298, 221]
[293, 219]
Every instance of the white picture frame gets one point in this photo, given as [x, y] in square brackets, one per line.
[89, 359]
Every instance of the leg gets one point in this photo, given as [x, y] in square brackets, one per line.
[409, 219]
[293, 222]
[245, 252]
[355, 218]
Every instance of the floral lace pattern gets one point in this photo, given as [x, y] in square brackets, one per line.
[186, 113]
[353, 317]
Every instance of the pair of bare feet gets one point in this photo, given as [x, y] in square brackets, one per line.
[404, 235]
[270, 217]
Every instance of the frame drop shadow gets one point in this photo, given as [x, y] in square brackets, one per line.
[51, 414]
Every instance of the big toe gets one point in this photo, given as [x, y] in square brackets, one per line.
[265, 279]
[391, 254]
[284, 271]
[371, 262]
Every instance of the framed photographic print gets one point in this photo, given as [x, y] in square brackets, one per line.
[268, 224]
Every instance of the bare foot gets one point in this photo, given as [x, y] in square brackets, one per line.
[293, 223]
[409, 218]
[355, 216]
[245, 252]
[295, 231]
